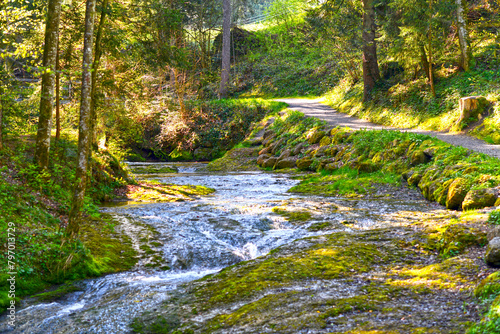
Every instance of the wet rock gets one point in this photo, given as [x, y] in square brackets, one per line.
[288, 162]
[479, 198]
[492, 256]
[304, 163]
[262, 158]
[456, 194]
[270, 162]
[315, 135]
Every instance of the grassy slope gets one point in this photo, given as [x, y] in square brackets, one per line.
[37, 203]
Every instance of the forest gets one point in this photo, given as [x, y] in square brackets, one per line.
[189, 147]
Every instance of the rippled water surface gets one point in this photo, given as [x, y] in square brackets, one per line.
[194, 238]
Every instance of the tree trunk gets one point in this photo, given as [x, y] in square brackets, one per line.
[48, 77]
[371, 71]
[84, 127]
[425, 62]
[463, 36]
[95, 68]
[1, 118]
[226, 48]
[431, 74]
[58, 79]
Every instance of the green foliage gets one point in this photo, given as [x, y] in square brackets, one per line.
[494, 217]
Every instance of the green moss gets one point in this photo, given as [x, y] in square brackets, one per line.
[152, 169]
[237, 159]
[321, 226]
[293, 216]
[333, 256]
[57, 293]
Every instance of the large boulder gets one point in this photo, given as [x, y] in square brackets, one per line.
[456, 193]
[315, 135]
[492, 256]
[269, 162]
[304, 163]
[262, 158]
[288, 162]
[285, 154]
[266, 150]
[325, 141]
[298, 149]
[276, 146]
[479, 198]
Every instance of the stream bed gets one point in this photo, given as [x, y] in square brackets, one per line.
[192, 239]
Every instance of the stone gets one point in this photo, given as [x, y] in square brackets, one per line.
[254, 141]
[276, 146]
[289, 162]
[325, 141]
[298, 149]
[267, 134]
[472, 107]
[266, 150]
[479, 198]
[367, 167]
[270, 162]
[456, 193]
[262, 158]
[322, 151]
[492, 256]
[304, 163]
[493, 233]
[333, 166]
[268, 140]
[418, 157]
[285, 154]
[315, 135]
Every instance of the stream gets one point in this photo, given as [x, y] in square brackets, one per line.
[196, 238]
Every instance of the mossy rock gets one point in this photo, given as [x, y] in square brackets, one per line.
[304, 163]
[492, 256]
[414, 178]
[490, 286]
[367, 166]
[457, 237]
[441, 193]
[418, 158]
[479, 198]
[315, 135]
[456, 193]
[269, 163]
[289, 162]
[262, 158]
[325, 141]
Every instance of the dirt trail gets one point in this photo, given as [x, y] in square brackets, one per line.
[314, 108]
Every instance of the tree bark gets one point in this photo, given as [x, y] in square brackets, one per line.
[226, 48]
[95, 67]
[371, 73]
[463, 36]
[48, 77]
[84, 126]
[58, 79]
[431, 74]
[425, 62]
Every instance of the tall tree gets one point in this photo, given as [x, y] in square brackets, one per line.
[463, 35]
[84, 126]
[48, 80]
[226, 49]
[95, 68]
[371, 72]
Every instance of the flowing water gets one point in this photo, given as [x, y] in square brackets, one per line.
[195, 238]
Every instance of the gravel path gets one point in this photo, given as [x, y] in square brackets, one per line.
[314, 108]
